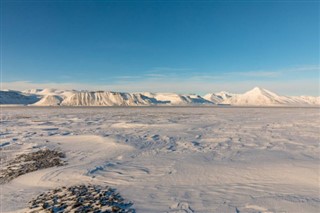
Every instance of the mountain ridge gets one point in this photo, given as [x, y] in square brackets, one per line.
[53, 97]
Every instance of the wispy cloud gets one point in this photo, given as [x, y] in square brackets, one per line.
[169, 69]
[275, 73]
[293, 87]
[306, 68]
[154, 75]
[201, 83]
[204, 77]
[127, 77]
[160, 72]
[265, 74]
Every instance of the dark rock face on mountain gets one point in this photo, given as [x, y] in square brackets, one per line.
[16, 97]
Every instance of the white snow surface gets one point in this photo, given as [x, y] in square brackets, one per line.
[176, 159]
[53, 97]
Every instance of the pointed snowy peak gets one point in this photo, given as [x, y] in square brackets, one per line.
[259, 97]
[260, 91]
[256, 90]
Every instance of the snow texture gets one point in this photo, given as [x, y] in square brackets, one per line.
[171, 159]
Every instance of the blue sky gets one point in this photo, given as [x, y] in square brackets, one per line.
[181, 46]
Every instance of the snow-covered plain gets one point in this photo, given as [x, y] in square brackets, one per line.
[172, 159]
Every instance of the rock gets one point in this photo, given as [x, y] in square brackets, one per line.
[82, 198]
[31, 162]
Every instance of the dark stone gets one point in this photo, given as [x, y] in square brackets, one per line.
[83, 198]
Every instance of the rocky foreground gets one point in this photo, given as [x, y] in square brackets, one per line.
[31, 162]
[81, 198]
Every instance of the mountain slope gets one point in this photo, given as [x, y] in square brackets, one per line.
[52, 97]
[261, 97]
[101, 98]
[16, 97]
[49, 100]
[218, 98]
[177, 99]
[308, 99]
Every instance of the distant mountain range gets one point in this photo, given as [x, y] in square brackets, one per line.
[53, 97]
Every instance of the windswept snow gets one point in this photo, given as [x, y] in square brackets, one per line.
[172, 159]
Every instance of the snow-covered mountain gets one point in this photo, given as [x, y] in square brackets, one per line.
[101, 98]
[177, 99]
[219, 97]
[52, 97]
[212, 97]
[308, 99]
[262, 97]
[49, 100]
[16, 97]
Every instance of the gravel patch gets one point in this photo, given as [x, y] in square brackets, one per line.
[31, 162]
[81, 198]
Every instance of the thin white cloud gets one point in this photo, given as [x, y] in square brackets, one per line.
[276, 73]
[306, 68]
[264, 74]
[159, 72]
[127, 77]
[169, 69]
[198, 83]
[293, 87]
[207, 77]
[156, 75]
